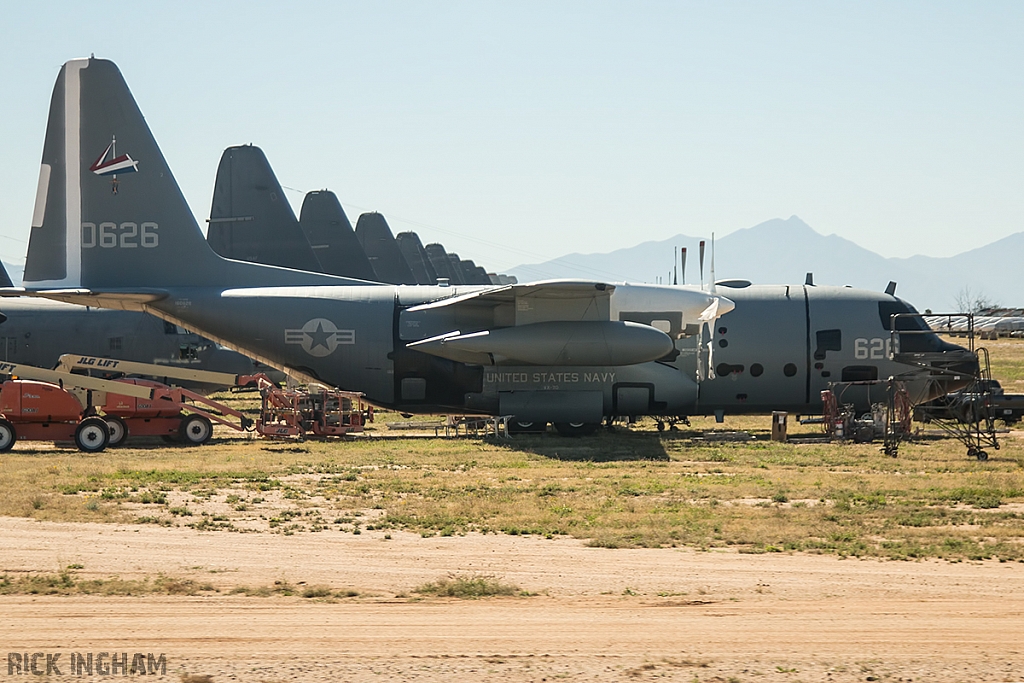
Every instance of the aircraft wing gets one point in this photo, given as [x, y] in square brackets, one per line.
[550, 290]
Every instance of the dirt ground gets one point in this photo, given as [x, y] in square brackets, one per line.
[598, 614]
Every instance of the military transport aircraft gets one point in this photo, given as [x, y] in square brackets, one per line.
[118, 233]
[777, 350]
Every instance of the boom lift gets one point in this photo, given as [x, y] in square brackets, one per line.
[48, 405]
[284, 413]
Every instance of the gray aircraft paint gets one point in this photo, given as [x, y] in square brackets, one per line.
[348, 333]
[442, 264]
[455, 267]
[380, 247]
[37, 332]
[474, 274]
[775, 326]
[331, 236]
[251, 219]
[416, 257]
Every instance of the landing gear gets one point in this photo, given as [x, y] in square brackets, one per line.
[672, 422]
[577, 428]
[525, 427]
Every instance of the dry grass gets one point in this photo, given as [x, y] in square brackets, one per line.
[468, 587]
[634, 487]
[67, 583]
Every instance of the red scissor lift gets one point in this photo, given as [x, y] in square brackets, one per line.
[316, 411]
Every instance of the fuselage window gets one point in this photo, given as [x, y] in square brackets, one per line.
[756, 370]
[860, 373]
[789, 370]
[723, 342]
[724, 369]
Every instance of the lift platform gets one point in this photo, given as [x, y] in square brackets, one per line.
[314, 411]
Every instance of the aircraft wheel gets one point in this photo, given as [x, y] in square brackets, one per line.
[195, 430]
[577, 428]
[118, 430]
[8, 436]
[524, 427]
[92, 435]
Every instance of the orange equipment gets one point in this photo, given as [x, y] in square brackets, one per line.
[162, 415]
[285, 413]
[316, 411]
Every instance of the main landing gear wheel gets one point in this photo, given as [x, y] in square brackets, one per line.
[524, 427]
[118, 430]
[92, 435]
[8, 436]
[195, 430]
[577, 428]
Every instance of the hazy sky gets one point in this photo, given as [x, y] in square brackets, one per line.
[519, 131]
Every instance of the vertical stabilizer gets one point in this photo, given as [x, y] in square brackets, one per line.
[416, 258]
[458, 277]
[5, 278]
[251, 219]
[439, 260]
[109, 215]
[330, 234]
[379, 244]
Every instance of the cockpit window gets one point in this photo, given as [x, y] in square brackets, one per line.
[887, 309]
[920, 338]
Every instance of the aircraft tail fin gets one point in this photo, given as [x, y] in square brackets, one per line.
[331, 236]
[251, 219]
[416, 257]
[5, 278]
[109, 215]
[380, 246]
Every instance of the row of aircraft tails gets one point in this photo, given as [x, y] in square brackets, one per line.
[417, 329]
[251, 220]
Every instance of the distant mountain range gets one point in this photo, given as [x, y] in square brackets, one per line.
[783, 251]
